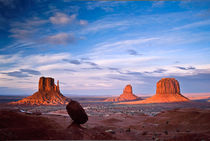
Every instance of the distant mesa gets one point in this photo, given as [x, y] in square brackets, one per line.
[48, 94]
[127, 95]
[168, 90]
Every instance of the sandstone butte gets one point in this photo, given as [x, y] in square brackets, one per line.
[168, 90]
[48, 94]
[127, 95]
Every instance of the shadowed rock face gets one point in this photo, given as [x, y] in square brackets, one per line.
[125, 96]
[168, 86]
[76, 112]
[48, 94]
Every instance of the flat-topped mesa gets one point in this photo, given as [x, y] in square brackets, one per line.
[47, 84]
[48, 94]
[168, 86]
[125, 96]
[167, 90]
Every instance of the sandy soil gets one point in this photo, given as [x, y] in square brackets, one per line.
[175, 121]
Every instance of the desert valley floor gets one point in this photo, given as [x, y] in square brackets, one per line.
[107, 121]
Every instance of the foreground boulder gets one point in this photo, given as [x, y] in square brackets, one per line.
[48, 94]
[76, 112]
[168, 90]
[127, 95]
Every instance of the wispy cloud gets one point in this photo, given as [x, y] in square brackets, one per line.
[62, 18]
[83, 22]
[156, 71]
[193, 25]
[186, 68]
[23, 73]
[60, 38]
[26, 29]
[105, 5]
[75, 62]
[133, 52]
[30, 71]
[158, 4]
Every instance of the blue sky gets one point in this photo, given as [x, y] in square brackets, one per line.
[98, 47]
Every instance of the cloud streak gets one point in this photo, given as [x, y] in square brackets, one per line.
[22, 73]
[61, 18]
[60, 38]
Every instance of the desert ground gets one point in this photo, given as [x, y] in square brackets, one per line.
[107, 121]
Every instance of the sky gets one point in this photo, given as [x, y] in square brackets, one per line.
[98, 47]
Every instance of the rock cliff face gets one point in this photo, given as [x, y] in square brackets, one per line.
[168, 86]
[48, 94]
[125, 96]
[167, 90]
[47, 84]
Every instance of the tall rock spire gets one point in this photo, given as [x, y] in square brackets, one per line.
[58, 89]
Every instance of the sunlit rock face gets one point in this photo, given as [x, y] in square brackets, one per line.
[48, 94]
[168, 86]
[47, 84]
[127, 95]
[167, 90]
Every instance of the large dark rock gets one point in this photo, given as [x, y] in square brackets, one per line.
[76, 112]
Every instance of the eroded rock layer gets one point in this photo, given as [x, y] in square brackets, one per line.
[48, 94]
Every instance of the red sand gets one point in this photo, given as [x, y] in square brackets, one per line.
[178, 124]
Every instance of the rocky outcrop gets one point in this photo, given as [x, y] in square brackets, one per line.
[127, 95]
[168, 86]
[168, 90]
[47, 84]
[48, 94]
[76, 112]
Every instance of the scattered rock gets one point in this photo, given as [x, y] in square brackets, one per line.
[144, 133]
[128, 130]
[166, 132]
[110, 131]
[76, 112]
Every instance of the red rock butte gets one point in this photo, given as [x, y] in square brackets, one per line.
[168, 90]
[127, 95]
[48, 94]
